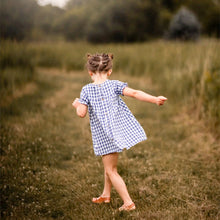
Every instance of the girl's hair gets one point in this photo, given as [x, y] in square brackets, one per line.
[99, 62]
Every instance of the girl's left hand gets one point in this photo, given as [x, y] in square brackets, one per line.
[75, 103]
[160, 100]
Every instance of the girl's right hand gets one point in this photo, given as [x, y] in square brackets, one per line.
[160, 100]
[75, 103]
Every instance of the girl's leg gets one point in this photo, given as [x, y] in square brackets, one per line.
[110, 164]
[107, 186]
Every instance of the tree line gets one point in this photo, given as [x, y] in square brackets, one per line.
[103, 21]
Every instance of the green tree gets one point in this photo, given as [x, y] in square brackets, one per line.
[208, 12]
[73, 23]
[184, 26]
[17, 18]
[46, 18]
[107, 21]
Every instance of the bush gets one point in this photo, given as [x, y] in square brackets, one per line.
[184, 26]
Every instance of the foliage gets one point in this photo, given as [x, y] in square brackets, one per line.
[17, 18]
[101, 21]
[208, 13]
[73, 24]
[47, 17]
[134, 20]
[184, 26]
[115, 22]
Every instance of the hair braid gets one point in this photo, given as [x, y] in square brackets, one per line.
[99, 62]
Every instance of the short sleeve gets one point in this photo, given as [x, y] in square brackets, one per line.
[119, 87]
[83, 97]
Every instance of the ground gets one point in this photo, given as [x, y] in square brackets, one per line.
[49, 169]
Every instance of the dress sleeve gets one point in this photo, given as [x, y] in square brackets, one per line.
[83, 97]
[119, 87]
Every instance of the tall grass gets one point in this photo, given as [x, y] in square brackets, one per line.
[188, 72]
[16, 67]
[184, 71]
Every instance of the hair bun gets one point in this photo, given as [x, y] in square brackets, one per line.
[88, 55]
[110, 55]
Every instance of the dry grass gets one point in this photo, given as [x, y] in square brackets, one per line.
[48, 169]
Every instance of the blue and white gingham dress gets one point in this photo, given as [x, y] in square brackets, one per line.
[113, 126]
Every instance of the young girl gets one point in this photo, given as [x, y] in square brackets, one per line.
[113, 126]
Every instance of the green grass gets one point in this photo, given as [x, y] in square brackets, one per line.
[49, 171]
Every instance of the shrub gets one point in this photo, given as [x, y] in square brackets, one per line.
[184, 26]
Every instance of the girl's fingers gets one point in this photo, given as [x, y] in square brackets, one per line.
[163, 98]
[74, 103]
[75, 100]
[161, 102]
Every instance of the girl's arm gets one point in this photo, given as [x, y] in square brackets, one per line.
[142, 96]
[81, 109]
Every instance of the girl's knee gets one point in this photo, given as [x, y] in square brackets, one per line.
[110, 171]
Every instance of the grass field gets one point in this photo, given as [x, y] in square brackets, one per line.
[49, 169]
[187, 72]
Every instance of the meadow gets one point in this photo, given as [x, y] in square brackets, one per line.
[48, 168]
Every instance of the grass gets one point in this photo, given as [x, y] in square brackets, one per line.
[16, 68]
[189, 72]
[49, 171]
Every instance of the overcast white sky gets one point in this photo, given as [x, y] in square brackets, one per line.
[59, 3]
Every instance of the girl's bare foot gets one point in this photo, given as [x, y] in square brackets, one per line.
[127, 207]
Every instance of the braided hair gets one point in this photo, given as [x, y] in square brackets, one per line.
[99, 62]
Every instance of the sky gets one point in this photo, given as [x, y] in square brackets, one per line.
[59, 3]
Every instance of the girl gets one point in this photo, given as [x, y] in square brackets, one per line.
[113, 126]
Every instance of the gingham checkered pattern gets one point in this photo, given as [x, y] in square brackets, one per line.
[113, 126]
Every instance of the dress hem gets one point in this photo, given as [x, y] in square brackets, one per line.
[121, 149]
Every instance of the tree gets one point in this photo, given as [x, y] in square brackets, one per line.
[111, 21]
[17, 18]
[47, 17]
[184, 26]
[208, 12]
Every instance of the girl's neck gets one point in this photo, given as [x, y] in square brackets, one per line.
[99, 78]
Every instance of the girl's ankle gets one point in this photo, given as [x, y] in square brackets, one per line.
[105, 195]
[127, 203]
